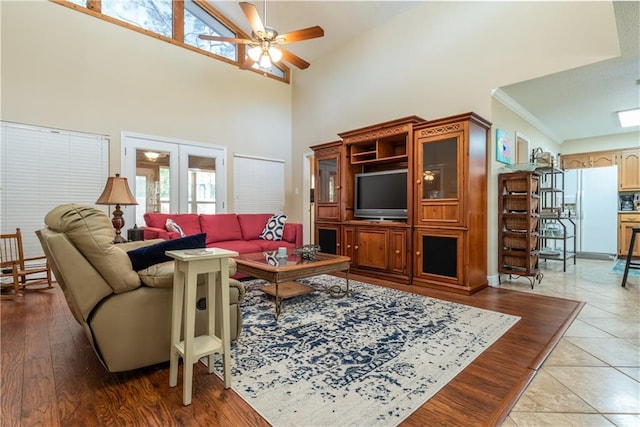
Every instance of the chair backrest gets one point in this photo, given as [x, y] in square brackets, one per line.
[11, 252]
[90, 231]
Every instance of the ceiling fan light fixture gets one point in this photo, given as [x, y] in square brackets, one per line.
[275, 54]
[255, 53]
[151, 155]
[265, 61]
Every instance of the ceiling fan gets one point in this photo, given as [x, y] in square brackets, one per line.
[266, 41]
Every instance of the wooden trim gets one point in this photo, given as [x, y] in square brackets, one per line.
[178, 20]
[95, 5]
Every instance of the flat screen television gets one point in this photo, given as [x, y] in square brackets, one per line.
[381, 195]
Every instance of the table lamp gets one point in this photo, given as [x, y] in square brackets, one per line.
[116, 192]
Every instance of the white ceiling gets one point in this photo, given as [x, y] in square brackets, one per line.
[578, 103]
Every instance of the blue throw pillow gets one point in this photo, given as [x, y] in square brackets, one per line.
[147, 256]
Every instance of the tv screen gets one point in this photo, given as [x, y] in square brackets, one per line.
[381, 195]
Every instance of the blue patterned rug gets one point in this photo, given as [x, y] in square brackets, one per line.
[366, 360]
[618, 269]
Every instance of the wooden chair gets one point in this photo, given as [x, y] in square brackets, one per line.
[24, 273]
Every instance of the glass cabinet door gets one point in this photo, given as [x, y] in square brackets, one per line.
[327, 182]
[439, 173]
[440, 169]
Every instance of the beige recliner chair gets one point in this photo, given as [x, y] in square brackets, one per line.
[125, 314]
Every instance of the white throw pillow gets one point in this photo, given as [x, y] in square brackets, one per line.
[274, 228]
[172, 226]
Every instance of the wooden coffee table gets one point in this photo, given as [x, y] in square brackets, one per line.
[282, 273]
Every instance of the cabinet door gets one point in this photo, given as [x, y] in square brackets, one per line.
[328, 238]
[372, 248]
[629, 170]
[574, 161]
[439, 256]
[349, 243]
[626, 223]
[398, 252]
[439, 170]
[607, 158]
[327, 190]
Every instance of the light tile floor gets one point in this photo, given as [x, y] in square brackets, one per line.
[592, 377]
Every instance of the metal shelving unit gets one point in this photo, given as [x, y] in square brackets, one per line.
[557, 229]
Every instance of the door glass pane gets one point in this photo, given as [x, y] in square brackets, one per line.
[201, 192]
[440, 170]
[327, 180]
[152, 183]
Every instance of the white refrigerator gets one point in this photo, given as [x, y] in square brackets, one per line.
[595, 194]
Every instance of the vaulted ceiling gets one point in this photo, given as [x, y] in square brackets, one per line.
[573, 104]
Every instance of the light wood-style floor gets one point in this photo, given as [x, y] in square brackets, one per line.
[50, 375]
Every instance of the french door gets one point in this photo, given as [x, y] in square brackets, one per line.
[173, 176]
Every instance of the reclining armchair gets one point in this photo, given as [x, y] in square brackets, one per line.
[126, 315]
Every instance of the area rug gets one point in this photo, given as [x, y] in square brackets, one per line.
[618, 269]
[370, 359]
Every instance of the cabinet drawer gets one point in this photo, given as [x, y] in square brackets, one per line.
[447, 213]
[328, 212]
[629, 217]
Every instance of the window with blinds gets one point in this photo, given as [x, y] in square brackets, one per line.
[258, 185]
[42, 168]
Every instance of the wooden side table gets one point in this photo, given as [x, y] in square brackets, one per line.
[189, 264]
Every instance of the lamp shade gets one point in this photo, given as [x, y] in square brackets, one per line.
[116, 192]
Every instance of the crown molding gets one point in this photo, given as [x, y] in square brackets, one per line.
[514, 106]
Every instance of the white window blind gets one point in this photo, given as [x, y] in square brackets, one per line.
[42, 168]
[258, 185]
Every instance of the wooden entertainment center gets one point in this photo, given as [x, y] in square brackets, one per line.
[441, 239]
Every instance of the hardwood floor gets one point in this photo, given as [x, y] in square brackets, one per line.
[51, 376]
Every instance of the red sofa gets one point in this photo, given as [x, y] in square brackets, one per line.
[235, 232]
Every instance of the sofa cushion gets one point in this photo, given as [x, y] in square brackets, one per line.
[90, 230]
[158, 275]
[253, 224]
[220, 227]
[274, 228]
[289, 233]
[147, 256]
[272, 245]
[240, 246]
[188, 222]
[161, 275]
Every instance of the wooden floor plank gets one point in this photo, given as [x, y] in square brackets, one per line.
[75, 389]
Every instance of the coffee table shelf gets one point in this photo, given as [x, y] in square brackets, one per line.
[283, 275]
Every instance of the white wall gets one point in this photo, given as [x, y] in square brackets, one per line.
[599, 143]
[444, 58]
[65, 69]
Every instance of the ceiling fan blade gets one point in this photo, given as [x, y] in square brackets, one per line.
[294, 59]
[225, 39]
[247, 64]
[299, 35]
[251, 13]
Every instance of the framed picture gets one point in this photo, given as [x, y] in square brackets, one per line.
[504, 149]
